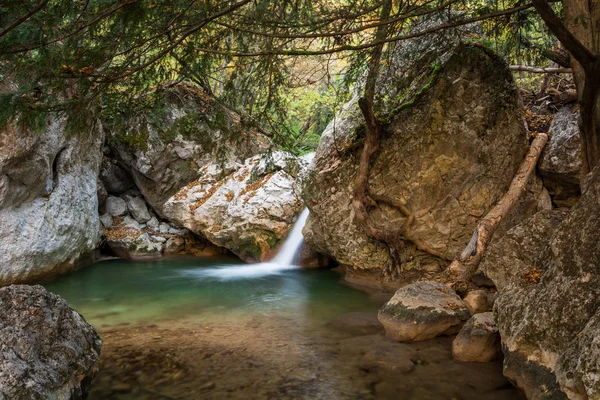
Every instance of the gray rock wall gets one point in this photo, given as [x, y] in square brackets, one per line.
[48, 200]
[548, 314]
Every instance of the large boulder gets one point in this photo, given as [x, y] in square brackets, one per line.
[478, 340]
[47, 350]
[422, 311]
[560, 162]
[247, 211]
[48, 199]
[448, 153]
[165, 150]
[550, 322]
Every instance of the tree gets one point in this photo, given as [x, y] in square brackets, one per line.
[580, 35]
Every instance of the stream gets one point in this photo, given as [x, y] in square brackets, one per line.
[215, 328]
[186, 328]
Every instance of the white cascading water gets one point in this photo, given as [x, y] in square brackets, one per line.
[284, 260]
[285, 255]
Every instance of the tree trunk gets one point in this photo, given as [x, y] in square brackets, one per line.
[582, 18]
[361, 200]
[462, 269]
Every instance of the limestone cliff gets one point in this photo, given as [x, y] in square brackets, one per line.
[48, 200]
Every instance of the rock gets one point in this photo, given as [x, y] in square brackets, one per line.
[136, 247]
[192, 131]
[550, 321]
[164, 227]
[515, 258]
[479, 301]
[448, 156]
[158, 239]
[106, 220]
[422, 311]
[175, 231]
[153, 224]
[47, 350]
[560, 162]
[478, 340]
[116, 180]
[248, 211]
[309, 258]
[131, 223]
[175, 245]
[116, 206]
[138, 209]
[49, 222]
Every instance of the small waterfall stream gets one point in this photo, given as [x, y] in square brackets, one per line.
[284, 260]
[286, 255]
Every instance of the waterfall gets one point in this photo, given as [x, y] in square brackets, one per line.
[284, 260]
[293, 242]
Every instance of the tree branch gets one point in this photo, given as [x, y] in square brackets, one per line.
[581, 53]
[536, 70]
[462, 269]
[24, 18]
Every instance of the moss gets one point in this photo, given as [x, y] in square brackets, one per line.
[408, 100]
[272, 239]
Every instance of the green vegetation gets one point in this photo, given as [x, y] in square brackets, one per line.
[286, 66]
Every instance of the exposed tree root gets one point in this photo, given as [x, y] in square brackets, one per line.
[462, 269]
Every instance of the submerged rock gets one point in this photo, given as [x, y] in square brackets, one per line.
[422, 311]
[449, 152]
[560, 162]
[47, 350]
[247, 211]
[49, 220]
[478, 340]
[550, 321]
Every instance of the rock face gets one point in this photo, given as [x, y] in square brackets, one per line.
[247, 211]
[560, 163]
[515, 258]
[48, 200]
[550, 323]
[447, 155]
[478, 340]
[47, 350]
[166, 152]
[421, 311]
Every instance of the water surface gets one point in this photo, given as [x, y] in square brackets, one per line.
[122, 291]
